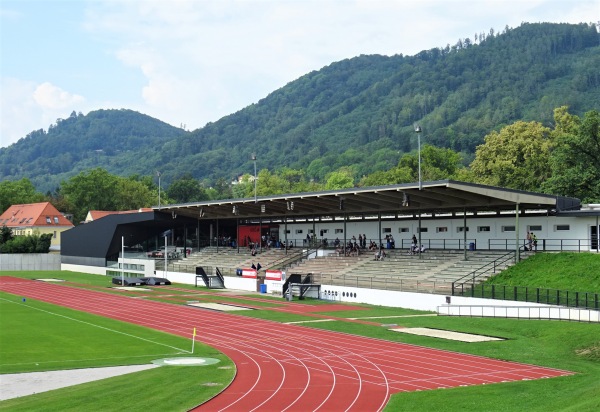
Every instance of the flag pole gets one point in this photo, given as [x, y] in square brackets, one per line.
[193, 340]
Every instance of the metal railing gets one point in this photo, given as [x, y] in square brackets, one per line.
[567, 298]
[489, 268]
[521, 312]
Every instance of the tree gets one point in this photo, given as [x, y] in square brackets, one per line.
[34, 243]
[18, 192]
[186, 189]
[516, 157]
[340, 179]
[97, 189]
[575, 162]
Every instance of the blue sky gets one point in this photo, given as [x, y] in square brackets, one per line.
[189, 62]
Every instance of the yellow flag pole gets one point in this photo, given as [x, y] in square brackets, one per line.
[193, 340]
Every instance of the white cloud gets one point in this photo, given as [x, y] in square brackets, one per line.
[50, 97]
[26, 107]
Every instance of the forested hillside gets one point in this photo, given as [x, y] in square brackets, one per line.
[358, 112]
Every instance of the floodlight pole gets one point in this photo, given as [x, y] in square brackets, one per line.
[418, 131]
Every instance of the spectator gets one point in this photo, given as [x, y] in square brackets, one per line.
[534, 239]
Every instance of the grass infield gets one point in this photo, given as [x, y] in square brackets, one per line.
[75, 340]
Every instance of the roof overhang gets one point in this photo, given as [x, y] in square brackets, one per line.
[434, 197]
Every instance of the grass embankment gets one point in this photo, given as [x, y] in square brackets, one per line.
[558, 344]
[565, 271]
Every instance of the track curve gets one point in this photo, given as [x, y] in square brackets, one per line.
[289, 367]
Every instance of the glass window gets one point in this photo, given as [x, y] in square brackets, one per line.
[563, 227]
[403, 230]
[508, 228]
[483, 228]
[441, 229]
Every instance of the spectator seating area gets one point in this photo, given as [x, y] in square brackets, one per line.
[435, 269]
[399, 270]
[229, 259]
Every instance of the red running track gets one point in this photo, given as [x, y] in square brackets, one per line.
[293, 368]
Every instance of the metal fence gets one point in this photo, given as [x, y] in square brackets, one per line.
[521, 312]
[567, 298]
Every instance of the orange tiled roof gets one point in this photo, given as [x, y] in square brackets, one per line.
[33, 215]
[97, 214]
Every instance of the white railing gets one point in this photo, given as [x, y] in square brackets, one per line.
[521, 312]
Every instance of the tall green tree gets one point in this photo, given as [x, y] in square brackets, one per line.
[18, 192]
[575, 162]
[186, 189]
[516, 157]
[97, 189]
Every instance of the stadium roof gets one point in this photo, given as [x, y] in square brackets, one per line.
[443, 196]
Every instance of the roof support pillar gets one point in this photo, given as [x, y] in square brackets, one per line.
[465, 231]
[517, 249]
[419, 230]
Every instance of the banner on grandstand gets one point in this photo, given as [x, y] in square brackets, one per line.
[274, 275]
[249, 273]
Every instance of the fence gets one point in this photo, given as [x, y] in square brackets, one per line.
[521, 312]
[586, 300]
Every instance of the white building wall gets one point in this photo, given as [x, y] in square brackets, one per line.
[440, 232]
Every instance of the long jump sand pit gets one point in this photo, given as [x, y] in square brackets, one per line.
[218, 306]
[446, 334]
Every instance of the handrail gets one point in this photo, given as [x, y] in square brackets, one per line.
[494, 263]
[281, 263]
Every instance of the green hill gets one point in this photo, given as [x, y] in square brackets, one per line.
[357, 112]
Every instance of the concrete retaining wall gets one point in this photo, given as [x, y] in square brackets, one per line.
[29, 261]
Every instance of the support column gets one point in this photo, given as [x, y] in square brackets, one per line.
[344, 248]
[285, 245]
[465, 231]
[218, 235]
[517, 249]
[379, 229]
[260, 235]
[237, 233]
[419, 230]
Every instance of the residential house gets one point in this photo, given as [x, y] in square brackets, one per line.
[33, 218]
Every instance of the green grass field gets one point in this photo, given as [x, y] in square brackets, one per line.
[34, 337]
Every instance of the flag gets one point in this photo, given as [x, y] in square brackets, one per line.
[194, 332]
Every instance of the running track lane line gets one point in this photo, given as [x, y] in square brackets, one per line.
[291, 367]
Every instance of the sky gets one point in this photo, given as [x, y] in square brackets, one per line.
[190, 62]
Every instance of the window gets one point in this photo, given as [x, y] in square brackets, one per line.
[534, 228]
[562, 227]
[387, 230]
[483, 229]
[54, 234]
[403, 230]
[48, 220]
[56, 219]
[441, 229]
[461, 229]
[508, 228]
[288, 231]
[423, 230]
[310, 231]
[339, 231]
[298, 231]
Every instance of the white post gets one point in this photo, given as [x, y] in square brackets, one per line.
[122, 260]
[165, 275]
